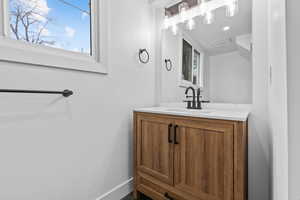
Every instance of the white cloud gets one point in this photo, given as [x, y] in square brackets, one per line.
[39, 7]
[45, 32]
[70, 32]
[84, 15]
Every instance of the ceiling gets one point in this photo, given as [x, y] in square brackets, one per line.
[212, 37]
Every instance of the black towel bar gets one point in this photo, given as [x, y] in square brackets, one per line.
[65, 93]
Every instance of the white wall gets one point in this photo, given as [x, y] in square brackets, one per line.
[171, 91]
[277, 102]
[230, 79]
[293, 32]
[260, 140]
[52, 148]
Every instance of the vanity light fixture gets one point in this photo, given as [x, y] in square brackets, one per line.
[167, 16]
[205, 8]
[183, 7]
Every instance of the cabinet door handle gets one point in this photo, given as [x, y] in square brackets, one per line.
[168, 196]
[169, 133]
[175, 134]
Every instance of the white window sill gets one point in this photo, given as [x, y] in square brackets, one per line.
[21, 52]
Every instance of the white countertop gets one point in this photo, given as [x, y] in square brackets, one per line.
[213, 111]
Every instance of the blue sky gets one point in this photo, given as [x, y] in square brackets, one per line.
[70, 27]
[66, 17]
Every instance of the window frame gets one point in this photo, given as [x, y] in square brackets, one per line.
[22, 52]
[196, 52]
[195, 47]
[190, 48]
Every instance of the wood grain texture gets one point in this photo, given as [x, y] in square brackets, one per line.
[155, 153]
[161, 188]
[241, 161]
[204, 160]
[135, 131]
[209, 163]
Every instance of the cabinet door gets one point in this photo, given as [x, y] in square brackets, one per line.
[204, 159]
[155, 151]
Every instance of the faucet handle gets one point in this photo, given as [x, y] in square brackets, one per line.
[205, 101]
[187, 96]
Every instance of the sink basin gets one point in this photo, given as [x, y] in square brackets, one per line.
[185, 110]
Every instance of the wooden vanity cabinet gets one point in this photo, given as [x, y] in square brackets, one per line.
[186, 158]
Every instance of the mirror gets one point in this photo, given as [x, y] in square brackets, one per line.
[207, 45]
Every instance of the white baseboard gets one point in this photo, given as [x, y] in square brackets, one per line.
[119, 191]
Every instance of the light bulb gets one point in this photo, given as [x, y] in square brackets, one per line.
[167, 19]
[232, 8]
[182, 15]
[191, 24]
[166, 22]
[183, 7]
[174, 29]
[209, 17]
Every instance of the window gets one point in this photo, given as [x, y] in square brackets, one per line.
[191, 65]
[59, 33]
[196, 67]
[187, 53]
[55, 23]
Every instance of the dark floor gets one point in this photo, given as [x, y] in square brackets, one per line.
[129, 197]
